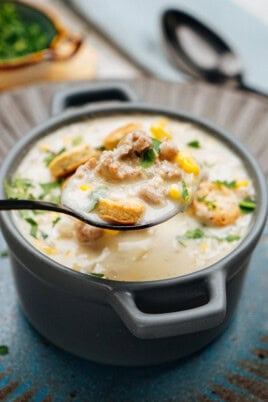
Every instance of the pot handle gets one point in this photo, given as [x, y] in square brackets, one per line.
[94, 92]
[148, 326]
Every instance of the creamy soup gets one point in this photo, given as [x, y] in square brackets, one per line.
[133, 183]
[217, 220]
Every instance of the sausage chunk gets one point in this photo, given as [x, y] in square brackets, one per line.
[153, 192]
[87, 234]
[111, 168]
[168, 151]
[112, 140]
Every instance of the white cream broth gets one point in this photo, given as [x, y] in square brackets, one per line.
[160, 252]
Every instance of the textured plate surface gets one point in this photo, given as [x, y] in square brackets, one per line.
[233, 368]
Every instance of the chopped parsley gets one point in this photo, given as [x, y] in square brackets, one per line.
[97, 275]
[44, 235]
[194, 144]
[148, 156]
[247, 205]
[18, 188]
[95, 196]
[229, 184]
[4, 254]
[156, 145]
[185, 192]
[77, 140]
[34, 227]
[52, 155]
[21, 33]
[48, 191]
[231, 238]
[210, 204]
[100, 148]
[4, 350]
[54, 223]
[47, 187]
[194, 234]
[198, 233]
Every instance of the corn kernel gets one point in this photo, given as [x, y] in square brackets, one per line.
[67, 140]
[159, 132]
[187, 162]
[162, 122]
[111, 232]
[85, 187]
[241, 183]
[136, 277]
[76, 267]
[174, 192]
[49, 250]
[45, 148]
[67, 253]
[203, 246]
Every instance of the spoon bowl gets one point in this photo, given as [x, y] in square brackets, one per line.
[15, 204]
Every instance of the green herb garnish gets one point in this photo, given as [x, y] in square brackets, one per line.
[195, 234]
[4, 254]
[19, 36]
[148, 158]
[100, 148]
[229, 184]
[185, 192]
[247, 205]
[47, 187]
[4, 350]
[95, 196]
[194, 144]
[44, 235]
[56, 220]
[231, 238]
[34, 227]
[52, 155]
[200, 234]
[210, 204]
[18, 188]
[97, 275]
[156, 144]
[77, 140]
[48, 191]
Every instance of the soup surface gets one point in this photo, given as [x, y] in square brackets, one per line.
[133, 182]
[217, 220]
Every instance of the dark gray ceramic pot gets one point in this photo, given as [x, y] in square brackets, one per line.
[126, 323]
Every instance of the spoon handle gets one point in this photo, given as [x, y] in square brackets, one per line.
[246, 88]
[13, 204]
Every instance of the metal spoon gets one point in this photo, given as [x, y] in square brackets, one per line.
[200, 52]
[14, 204]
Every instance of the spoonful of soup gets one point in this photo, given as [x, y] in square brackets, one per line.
[138, 180]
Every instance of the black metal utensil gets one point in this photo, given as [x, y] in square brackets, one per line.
[201, 52]
[14, 204]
